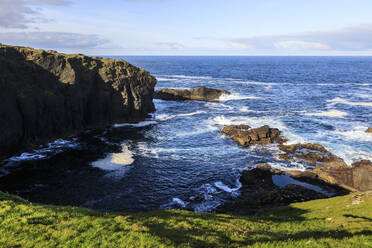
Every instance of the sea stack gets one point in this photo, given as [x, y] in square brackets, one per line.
[46, 95]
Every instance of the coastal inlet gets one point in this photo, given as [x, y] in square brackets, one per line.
[177, 158]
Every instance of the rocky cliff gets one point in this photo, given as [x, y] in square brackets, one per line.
[45, 95]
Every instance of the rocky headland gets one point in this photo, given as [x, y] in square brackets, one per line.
[199, 93]
[47, 95]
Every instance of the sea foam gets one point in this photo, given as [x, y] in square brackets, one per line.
[234, 97]
[139, 124]
[330, 113]
[343, 101]
[115, 161]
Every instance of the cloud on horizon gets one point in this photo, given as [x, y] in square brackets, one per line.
[53, 40]
[18, 14]
[357, 38]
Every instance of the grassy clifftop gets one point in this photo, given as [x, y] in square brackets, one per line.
[336, 222]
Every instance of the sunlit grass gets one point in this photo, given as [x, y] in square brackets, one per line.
[337, 222]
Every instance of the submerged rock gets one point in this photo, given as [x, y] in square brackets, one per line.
[369, 130]
[244, 135]
[46, 95]
[200, 93]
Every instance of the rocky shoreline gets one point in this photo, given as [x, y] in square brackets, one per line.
[329, 176]
[48, 95]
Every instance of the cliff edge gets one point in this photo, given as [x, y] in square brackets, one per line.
[47, 95]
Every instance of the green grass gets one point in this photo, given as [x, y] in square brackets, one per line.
[337, 222]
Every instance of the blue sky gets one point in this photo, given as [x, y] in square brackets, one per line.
[190, 27]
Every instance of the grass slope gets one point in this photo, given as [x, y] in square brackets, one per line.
[336, 222]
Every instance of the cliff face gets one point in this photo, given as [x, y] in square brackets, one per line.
[45, 94]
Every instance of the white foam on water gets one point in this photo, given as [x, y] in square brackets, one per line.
[330, 113]
[343, 101]
[165, 117]
[348, 153]
[146, 151]
[27, 156]
[284, 167]
[218, 106]
[139, 124]
[166, 79]
[357, 134]
[234, 97]
[175, 202]
[368, 96]
[188, 77]
[179, 202]
[115, 161]
[259, 83]
[234, 191]
[54, 147]
[245, 109]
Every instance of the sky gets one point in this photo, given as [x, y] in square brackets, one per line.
[190, 27]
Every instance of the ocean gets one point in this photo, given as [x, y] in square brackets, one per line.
[177, 158]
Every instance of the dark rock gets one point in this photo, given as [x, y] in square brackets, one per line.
[259, 192]
[245, 135]
[46, 95]
[199, 93]
[369, 130]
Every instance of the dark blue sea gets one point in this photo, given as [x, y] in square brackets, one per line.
[178, 158]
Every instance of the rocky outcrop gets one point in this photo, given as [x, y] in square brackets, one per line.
[369, 130]
[244, 135]
[328, 167]
[199, 93]
[357, 177]
[311, 155]
[46, 94]
[259, 191]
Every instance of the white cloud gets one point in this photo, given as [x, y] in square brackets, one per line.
[170, 45]
[300, 45]
[357, 38]
[238, 45]
[18, 14]
[53, 40]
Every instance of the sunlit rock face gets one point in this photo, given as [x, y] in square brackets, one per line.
[47, 95]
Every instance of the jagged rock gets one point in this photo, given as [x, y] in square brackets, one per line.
[199, 93]
[369, 130]
[46, 95]
[328, 167]
[311, 154]
[245, 135]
